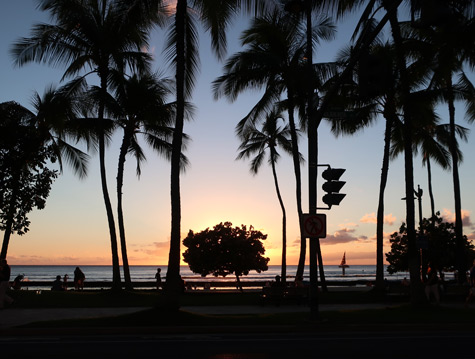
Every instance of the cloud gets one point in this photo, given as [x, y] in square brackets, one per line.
[153, 249]
[371, 218]
[295, 243]
[344, 235]
[368, 218]
[448, 216]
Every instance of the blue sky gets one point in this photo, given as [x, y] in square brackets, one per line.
[72, 229]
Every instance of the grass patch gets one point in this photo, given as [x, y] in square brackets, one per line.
[152, 298]
[107, 298]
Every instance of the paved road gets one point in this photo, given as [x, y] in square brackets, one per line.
[260, 343]
[396, 345]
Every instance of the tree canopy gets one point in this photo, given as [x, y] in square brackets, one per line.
[25, 181]
[225, 250]
[439, 250]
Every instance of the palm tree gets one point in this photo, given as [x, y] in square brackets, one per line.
[369, 91]
[95, 36]
[274, 60]
[258, 141]
[390, 9]
[54, 115]
[183, 53]
[433, 140]
[141, 109]
[445, 45]
[46, 131]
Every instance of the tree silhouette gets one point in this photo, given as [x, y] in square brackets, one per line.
[225, 250]
[140, 108]
[25, 180]
[259, 141]
[274, 60]
[93, 37]
[183, 53]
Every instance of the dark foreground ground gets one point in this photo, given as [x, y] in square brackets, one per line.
[352, 323]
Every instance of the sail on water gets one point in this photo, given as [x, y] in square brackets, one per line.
[343, 264]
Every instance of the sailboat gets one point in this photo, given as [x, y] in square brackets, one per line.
[343, 264]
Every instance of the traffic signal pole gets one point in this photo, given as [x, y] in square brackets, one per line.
[312, 167]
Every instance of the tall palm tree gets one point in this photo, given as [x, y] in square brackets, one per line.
[93, 36]
[391, 16]
[274, 59]
[183, 53]
[140, 108]
[369, 91]
[259, 141]
[445, 43]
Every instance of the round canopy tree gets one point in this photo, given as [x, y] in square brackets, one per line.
[439, 250]
[225, 250]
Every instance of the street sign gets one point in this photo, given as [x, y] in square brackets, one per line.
[314, 225]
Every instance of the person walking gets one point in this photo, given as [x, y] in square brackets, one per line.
[5, 273]
[158, 278]
[79, 279]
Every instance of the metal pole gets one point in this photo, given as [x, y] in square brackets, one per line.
[419, 200]
[312, 167]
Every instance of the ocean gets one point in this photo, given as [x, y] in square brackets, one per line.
[147, 273]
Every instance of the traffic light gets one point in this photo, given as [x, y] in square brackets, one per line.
[333, 186]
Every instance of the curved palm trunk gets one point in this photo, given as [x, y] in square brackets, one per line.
[417, 295]
[460, 248]
[120, 214]
[284, 224]
[389, 114]
[116, 282]
[173, 272]
[298, 181]
[9, 223]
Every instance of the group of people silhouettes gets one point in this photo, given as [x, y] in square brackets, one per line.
[61, 283]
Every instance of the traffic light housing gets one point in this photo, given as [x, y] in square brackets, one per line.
[333, 186]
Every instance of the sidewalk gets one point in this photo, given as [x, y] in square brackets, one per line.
[14, 317]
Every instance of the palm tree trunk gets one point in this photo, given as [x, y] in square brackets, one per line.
[173, 272]
[116, 282]
[284, 222]
[429, 186]
[9, 221]
[460, 247]
[389, 113]
[298, 181]
[120, 214]
[417, 295]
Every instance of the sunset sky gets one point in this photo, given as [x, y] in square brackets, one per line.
[73, 230]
